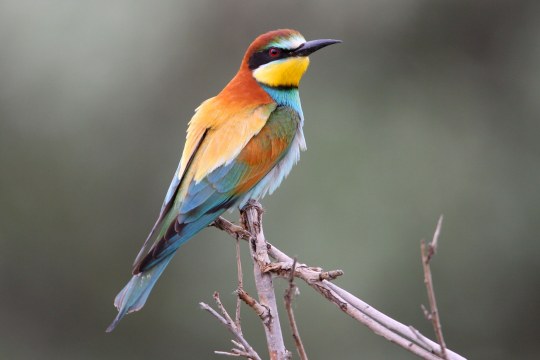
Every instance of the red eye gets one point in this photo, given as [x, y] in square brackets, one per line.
[274, 52]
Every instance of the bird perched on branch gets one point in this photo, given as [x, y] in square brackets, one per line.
[240, 145]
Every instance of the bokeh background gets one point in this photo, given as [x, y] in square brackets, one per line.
[427, 108]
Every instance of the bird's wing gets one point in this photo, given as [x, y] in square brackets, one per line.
[208, 190]
[230, 131]
[193, 141]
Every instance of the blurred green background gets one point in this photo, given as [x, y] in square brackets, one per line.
[427, 108]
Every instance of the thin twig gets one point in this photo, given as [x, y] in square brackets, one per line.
[234, 230]
[427, 252]
[435, 242]
[222, 308]
[245, 349]
[240, 286]
[388, 322]
[262, 312]
[330, 275]
[235, 352]
[289, 294]
[226, 353]
[375, 326]
[420, 338]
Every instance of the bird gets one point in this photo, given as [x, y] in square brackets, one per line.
[240, 145]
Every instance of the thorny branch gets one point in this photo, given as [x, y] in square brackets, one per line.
[405, 336]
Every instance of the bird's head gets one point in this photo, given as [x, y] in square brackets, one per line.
[279, 58]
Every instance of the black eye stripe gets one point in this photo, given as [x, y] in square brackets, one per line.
[263, 57]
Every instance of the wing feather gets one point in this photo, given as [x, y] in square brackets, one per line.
[171, 192]
[199, 202]
[220, 136]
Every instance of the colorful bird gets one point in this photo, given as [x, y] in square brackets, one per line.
[240, 145]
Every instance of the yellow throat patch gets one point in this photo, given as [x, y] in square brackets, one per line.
[285, 72]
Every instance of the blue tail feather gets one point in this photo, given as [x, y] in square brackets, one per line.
[134, 294]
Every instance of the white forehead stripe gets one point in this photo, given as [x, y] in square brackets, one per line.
[292, 42]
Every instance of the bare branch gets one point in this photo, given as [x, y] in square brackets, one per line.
[378, 322]
[240, 286]
[289, 294]
[245, 349]
[234, 230]
[251, 216]
[330, 275]
[235, 352]
[225, 353]
[421, 338]
[372, 324]
[388, 322]
[427, 252]
[261, 311]
[435, 242]
[222, 308]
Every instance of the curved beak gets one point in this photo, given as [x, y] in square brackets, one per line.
[311, 46]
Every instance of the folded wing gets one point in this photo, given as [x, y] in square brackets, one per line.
[221, 170]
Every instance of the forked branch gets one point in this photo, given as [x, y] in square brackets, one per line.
[242, 347]
[284, 266]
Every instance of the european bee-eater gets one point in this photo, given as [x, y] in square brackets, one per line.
[240, 145]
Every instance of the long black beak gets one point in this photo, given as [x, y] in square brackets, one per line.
[311, 46]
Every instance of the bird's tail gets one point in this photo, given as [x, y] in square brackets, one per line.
[134, 294]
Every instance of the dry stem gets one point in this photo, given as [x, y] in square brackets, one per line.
[252, 220]
[240, 286]
[433, 313]
[262, 312]
[242, 346]
[289, 294]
